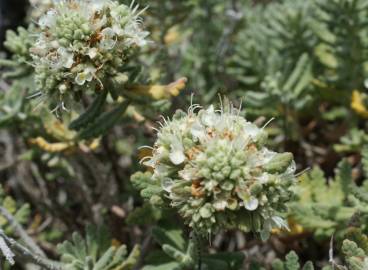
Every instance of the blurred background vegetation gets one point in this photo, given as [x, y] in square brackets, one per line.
[303, 64]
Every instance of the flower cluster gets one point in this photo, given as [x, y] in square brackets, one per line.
[214, 168]
[82, 43]
[38, 8]
[18, 43]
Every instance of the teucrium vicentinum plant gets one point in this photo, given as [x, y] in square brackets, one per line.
[82, 44]
[213, 167]
[291, 60]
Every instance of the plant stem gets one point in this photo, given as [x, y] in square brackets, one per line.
[197, 242]
[21, 232]
[28, 255]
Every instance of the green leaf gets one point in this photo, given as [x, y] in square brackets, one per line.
[170, 237]
[164, 266]
[344, 175]
[92, 112]
[104, 122]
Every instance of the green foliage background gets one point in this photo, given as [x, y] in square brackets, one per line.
[304, 64]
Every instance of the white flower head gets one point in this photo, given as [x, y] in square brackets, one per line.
[220, 205]
[95, 34]
[177, 152]
[48, 20]
[92, 53]
[188, 173]
[108, 40]
[198, 130]
[167, 184]
[97, 5]
[251, 130]
[138, 39]
[220, 169]
[66, 57]
[251, 204]
[86, 75]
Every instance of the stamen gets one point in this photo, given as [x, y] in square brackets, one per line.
[34, 95]
[268, 122]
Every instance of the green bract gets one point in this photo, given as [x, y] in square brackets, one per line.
[81, 44]
[214, 168]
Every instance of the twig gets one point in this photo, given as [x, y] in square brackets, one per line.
[21, 232]
[235, 17]
[145, 248]
[41, 184]
[26, 253]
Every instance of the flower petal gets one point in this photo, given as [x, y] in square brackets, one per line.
[251, 204]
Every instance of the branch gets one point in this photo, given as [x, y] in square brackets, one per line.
[26, 253]
[21, 232]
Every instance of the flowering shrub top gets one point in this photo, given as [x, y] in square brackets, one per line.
[81, 43]
[214, 168]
